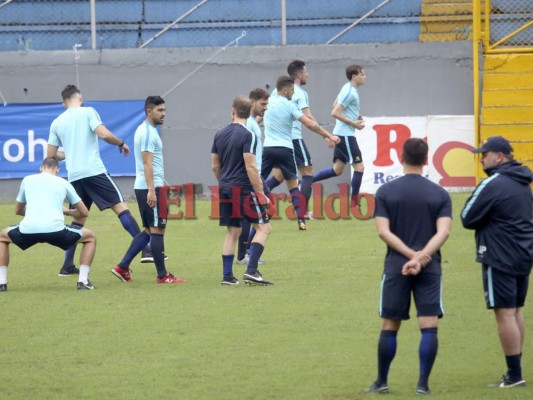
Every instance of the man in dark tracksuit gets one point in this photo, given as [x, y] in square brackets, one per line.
[500, 210]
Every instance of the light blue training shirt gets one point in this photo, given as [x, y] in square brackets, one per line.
[301, 99]
[44, 195]
[147, 139]
[74, 130]
[253, 126]
[278, 121]
[349, 99]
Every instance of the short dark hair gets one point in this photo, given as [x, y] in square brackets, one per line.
[69, 91]
[242, 106]
[352, 70]
[415, 152]
[283, 81]
[153, 101]
[258, 94]
[50, 162]
[295, 67]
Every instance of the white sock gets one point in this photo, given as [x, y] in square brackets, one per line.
[3, 275]
[84, 274]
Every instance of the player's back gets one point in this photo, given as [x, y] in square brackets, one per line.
[74, 130]
[278, 122]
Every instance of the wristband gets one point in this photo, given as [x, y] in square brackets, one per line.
[121, 144]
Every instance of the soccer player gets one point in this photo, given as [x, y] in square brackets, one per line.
[413, 217]
[40, 202]
[241, 192]
[346, 111]
[297, 70]
[259, 98]
[148, 150]
[77, 129]
[500, 212]
[278, 148]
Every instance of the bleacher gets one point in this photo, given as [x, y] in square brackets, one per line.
[58, 25]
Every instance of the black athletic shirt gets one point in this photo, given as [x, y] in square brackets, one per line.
[412, 204]
[230, 144]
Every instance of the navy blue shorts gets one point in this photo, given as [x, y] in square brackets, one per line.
[396, 290]
[152, 217]
[301, 154]
[504, 290]
[63, 239]
[279, 157]
[348, 151]
[100, 190]
[234, 205]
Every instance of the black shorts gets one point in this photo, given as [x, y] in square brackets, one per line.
[348, 151]
[63, 239]
[100, 190]
[234, 205]
[301, 154]
[396, 289]
[152, 217]
[279, 157]
[504, 290]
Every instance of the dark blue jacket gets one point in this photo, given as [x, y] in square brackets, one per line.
[501, 212]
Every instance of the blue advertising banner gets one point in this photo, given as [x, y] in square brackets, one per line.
[24, 132]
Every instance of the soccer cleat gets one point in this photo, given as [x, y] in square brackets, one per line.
[506, 382]
[85, 286]
[309, 216]
[123, 274]
[422, 391]
[3, 287]
[67, 271]
[169, 278]
[301, 224]
[243, 261]
[256, 279]
[375, 388]
[147, 257]
[230, 281]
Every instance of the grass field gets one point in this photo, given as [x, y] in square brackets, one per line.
[313, 335]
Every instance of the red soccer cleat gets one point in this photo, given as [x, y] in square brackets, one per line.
[123, 274]
[169, 278]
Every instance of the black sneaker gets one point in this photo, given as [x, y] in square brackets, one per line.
[422, 391]
[506, 382]
[375, 388]
[85, 286]
[147, 257]
[3, 287]
[229, 280]
[256, 279]
[67, 271]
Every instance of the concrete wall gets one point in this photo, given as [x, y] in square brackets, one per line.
[403, 79]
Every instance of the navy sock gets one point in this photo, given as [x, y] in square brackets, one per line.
[256, 249]
[243, 238]
[514, 367]
[158, 247]
[427, 352]
[129, 223]
[306, 188]
[71, 251]
[296, 198]
[324, 174]
[386, 351]
[227, 265]
[357, 178]
[272, 183]
[137, 244]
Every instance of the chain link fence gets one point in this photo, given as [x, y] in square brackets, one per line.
[60, 24]
[511, 23]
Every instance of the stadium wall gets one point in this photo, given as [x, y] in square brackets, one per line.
[403, 79]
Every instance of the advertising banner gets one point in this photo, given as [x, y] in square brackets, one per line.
[24, 130]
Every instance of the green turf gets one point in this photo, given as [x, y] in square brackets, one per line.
[313, 335]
